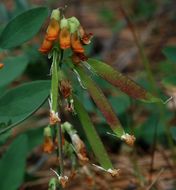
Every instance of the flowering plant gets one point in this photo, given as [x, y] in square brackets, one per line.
[62, 34]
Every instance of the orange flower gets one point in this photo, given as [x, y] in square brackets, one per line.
[46, 46]
[53, 30]
[76, 44]
[1, 65]
[64, 36]
[48, 145]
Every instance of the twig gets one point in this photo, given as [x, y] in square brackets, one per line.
[155, 180]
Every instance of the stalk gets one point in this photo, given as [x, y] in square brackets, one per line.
[54, 105]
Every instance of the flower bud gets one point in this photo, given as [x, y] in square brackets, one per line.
[55, 14]
[1, 65]
[47, 131]
[48, 145]
[64, 36]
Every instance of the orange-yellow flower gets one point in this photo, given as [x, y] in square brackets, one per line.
[53, 30]
[76, 44]
[48, 145]
[46, 46]
[64, 36]
[1, 65]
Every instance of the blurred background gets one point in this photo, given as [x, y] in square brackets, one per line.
[118, 28]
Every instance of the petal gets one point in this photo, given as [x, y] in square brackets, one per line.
[53, 30]
[46, 46]
[76, 44]
[64, 38]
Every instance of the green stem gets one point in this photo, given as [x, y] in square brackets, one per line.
[61, 161]
[54, 104]
[54, 81]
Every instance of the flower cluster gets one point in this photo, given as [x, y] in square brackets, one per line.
[67, 33]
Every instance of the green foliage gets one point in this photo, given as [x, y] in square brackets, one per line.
[12, 164]
[147, 130]
[173, 132]
[92, 135]
[120, 103]
[171, 80]
[37, 138]
[170, 53]
[144, 9]
[5, 136]
[23, 27]
[19, 103]
[14, 67]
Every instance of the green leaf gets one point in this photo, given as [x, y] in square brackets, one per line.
[92, 136]
[37, 138]
[21, 102]
[23, 27]
[124, 83]
[13, 67]
[169, 81]
[120, 103]
[12, 164]
[170, 53]
[101, 102]
[173, 132]
[147, 129]
[4, 136]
